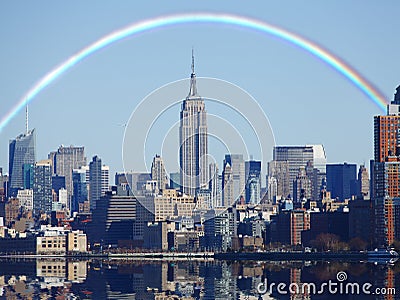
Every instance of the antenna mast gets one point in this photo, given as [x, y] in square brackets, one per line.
[26, 118]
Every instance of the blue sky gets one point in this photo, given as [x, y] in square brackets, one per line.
[306, 101]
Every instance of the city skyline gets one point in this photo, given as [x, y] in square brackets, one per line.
[275, 163]
[331, 93]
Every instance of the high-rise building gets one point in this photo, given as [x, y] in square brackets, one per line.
[98, 180]
[215, 186]
[175, 180]
[387, 199]
[113, 219]
[253, 181]
[94, 181]
[25, 198]
[65, 159]
[363, 182]
[57, 183]
[158, 172]
[63, 199]
[299, 156]
[227, 186]
[193, 141]
[360, 217]
[219, 229]
[237, 169]
[318, 180]
[80, 188]
[386, 131]
[22, 150]
[27, 170]
[42, 192]
[385, 173]
[105, 179]
[288, 226]
[341, 180]
[135, 180]
[302, 187]
[278, 180]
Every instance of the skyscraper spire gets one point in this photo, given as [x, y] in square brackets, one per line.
[26, 118]
[192, 61]
[193, 88]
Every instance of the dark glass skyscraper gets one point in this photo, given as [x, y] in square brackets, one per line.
[42, 185]
[341, 180]
[79, 187]
[27, 170]
[98, 181]
[22, 150]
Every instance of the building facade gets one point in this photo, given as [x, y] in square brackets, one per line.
[296, 157]
[158, 173]
[385, 173]
[42, 187]
[98, 181]
[193, 141]
[65, 159]
[341, 180]
[253, 181]
[22, 150]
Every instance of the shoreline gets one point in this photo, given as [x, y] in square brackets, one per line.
[227, 256]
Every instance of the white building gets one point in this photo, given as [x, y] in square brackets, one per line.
[158, 172]
[25, 198]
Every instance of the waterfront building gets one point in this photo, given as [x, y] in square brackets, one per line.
[76, 242]
[385, 174]
[52, 240]
[219, 229]
[288, 226]
[155, 236]
[360, 220]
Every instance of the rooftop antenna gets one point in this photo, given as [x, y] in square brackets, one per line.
[192, 60]
[26, 118]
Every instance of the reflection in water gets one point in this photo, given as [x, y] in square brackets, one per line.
[161, 280]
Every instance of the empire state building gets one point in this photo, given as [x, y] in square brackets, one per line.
[193, 141]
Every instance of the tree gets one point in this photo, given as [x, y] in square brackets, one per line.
[357, 244]
[327, 241]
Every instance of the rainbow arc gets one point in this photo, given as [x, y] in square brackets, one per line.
[197, 18]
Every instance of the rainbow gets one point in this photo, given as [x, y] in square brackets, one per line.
[212, 18]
